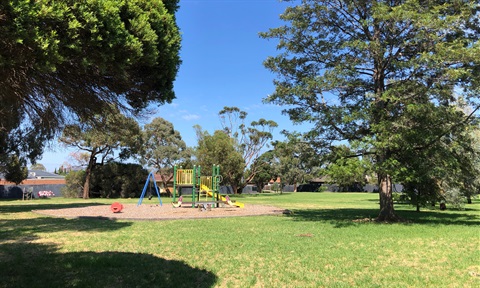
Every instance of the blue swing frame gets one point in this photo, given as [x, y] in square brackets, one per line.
[150, 176]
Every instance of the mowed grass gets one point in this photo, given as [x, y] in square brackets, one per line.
[322, 244]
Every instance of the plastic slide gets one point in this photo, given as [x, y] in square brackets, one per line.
[210, 193]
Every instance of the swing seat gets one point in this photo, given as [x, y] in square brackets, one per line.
[179, 203]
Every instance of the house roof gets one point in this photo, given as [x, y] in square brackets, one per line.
[278, 180]
[38, 174]
[158, 177]
[37, 177]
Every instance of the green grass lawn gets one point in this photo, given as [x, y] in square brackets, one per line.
[320, 245]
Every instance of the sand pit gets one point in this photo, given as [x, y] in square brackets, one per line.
[157, 212]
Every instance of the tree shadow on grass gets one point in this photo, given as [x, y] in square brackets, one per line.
[29, 207]
[344, 217]
[39, 265]
[437, 217]
[339, 218]
[18, 229]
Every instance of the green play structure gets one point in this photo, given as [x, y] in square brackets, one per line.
[205, 189]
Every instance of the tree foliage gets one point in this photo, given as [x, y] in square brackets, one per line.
[38, 166]
[74, 181]
[15, 169]
[110, 132]
[115, 179]
[382, 73]
[163, 148]
[266, 167]
[347, 172]
[247, 140]
[219, 149]
[67, 60]
[296, 160]
[427, 174]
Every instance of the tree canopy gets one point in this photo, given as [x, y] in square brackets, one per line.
[347, 172]
[266, 167]
[386, 74]
[163, 148]
[296, 160]
[111, 132]
[219, 149]
[38, 166]
[248, 140]
[66, 60]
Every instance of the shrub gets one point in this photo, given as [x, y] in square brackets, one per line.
[400, 197]
[118, 180]
[322, 188]
[455, 198]
[74, 184]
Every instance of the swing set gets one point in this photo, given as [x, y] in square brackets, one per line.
[148, 184]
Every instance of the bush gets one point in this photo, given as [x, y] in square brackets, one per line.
[74, 184]
[400, 198]
[118, 180]
[322, 188]
[455, 198]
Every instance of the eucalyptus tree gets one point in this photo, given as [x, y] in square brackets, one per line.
[218, 149]
[296, 159]
[38, 166]
[248, 140]
[163, 148]
[63, 61]
[266, 167]
[111, 132]
[382, 73]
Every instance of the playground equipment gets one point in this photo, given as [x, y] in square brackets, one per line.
[148, 183]
[227, 200]
[116, 207]
[205, 189]
[179, 202]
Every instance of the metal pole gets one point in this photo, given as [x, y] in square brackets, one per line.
[174, 182]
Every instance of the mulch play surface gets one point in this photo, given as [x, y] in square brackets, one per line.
[157, 212]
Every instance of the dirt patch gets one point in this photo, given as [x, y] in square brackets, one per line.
[157, 212]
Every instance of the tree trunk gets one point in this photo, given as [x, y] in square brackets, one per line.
[88, 174]
[165, 186]
[235, 189]
[417, 199]
[469, 199]
[387, 212]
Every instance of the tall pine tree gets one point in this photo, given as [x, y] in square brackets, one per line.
[382, 73]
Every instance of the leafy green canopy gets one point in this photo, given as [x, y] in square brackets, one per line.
[248, 140]
[296, 158]
[383, 75]
[108, 133]
[163, 148]
[67, 59]
[219, 149]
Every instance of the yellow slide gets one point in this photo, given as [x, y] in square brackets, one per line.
[227, 199]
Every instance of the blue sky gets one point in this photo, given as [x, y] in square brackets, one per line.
[222, 58]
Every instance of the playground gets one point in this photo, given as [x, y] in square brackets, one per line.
[201, 191]
[149, 211]
[194, 197]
